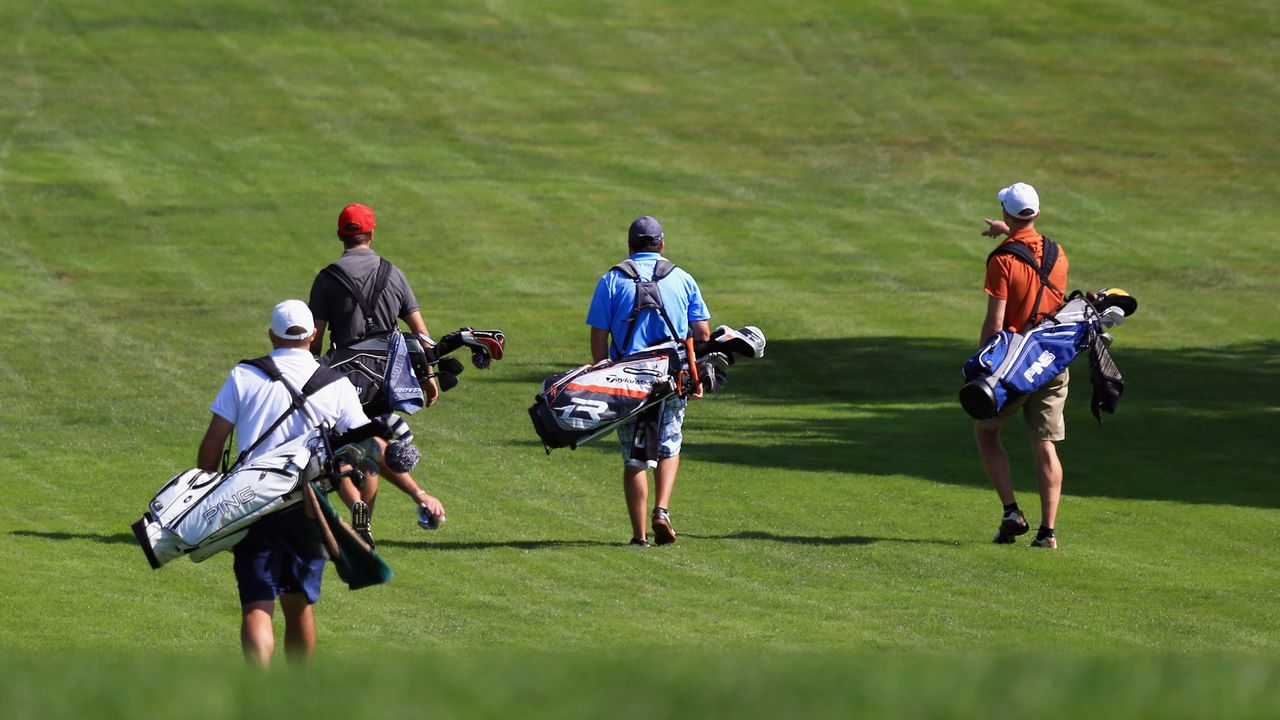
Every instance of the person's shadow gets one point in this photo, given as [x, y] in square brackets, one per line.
[1195, 425]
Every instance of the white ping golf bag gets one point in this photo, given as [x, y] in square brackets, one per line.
[200, 513]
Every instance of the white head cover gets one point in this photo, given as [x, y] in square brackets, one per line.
[1020, 200]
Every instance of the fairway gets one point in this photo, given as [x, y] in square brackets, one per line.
[170, 171]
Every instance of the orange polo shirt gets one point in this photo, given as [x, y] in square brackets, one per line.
[1013, 281]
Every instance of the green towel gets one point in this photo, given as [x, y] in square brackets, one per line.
[357, 564]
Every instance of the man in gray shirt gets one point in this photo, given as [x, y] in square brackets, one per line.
[362, 295]
[337, 308]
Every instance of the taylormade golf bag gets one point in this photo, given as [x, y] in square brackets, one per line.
[387, 369]
[580, 405]
[1011, 365]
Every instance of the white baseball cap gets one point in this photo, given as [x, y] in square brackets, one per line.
[1020, 200]
[292, 314]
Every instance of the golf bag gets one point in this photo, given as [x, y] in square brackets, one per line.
[1011, 365]
[200, 513]
[385, 375]
[579, 406]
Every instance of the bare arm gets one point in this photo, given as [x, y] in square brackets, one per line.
[418, 325]
[317, 340]
[599, 344]
[210, 454]
[994, 322]
[700, 330]
[995, 228]
[410, 487]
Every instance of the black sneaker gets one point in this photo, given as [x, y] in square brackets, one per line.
[360, 521]
[1013, 524]
[638, 541]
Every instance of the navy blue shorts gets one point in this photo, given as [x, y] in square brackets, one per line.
[278, 556]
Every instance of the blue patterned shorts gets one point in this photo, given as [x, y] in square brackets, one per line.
[669, 435]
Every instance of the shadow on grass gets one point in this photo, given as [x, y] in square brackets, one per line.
[820, 539]
[1196, 425]
[489, 545]
[117, 539]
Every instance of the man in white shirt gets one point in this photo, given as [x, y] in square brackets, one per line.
[278, 558]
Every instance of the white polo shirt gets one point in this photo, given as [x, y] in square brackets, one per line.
[252, 402]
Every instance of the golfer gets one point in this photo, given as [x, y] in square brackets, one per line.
[278, 558]
[609, 316]
[343, 314]
[1012, 287]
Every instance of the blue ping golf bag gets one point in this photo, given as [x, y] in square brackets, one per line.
[1011, 365]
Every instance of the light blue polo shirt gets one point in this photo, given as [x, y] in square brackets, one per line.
[615, 296]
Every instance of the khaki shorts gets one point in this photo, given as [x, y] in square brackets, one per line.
[1041, 411]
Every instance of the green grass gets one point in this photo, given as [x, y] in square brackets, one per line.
[169, 171]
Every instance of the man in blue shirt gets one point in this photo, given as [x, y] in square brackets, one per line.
[611, 337]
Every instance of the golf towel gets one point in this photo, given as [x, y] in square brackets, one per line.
[401, 386]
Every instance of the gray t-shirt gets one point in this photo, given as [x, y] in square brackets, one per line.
[332, 304]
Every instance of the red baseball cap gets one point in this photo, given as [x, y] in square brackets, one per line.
[356, 219]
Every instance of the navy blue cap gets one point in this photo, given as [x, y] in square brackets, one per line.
[645, 231]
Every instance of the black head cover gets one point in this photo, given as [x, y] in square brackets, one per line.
[1115, 297]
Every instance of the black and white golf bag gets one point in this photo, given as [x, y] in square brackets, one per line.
[1011, 365]
[579, 406]
[385, 375]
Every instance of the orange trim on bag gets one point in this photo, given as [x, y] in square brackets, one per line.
[640, 394]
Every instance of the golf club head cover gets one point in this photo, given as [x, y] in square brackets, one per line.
[490, 343]
[712, 369]
[1116, 298]
[402, 455]
[749, 342]
[450, 365]
[446, 380]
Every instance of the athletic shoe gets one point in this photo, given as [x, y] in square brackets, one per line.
[1050, 542]
[662, 532]
[360, 521]
[638, 541]
[1013, 524]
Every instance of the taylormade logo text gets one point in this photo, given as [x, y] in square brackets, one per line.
[1038, 366]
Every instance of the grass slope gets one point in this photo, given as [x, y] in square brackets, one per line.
[169, 171]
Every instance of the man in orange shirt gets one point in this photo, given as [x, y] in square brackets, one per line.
[1018, 297]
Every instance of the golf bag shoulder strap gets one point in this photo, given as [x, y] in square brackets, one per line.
[662, 269]
[322, 377]
[648, 297]
[368, 303]
[1049, 258]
